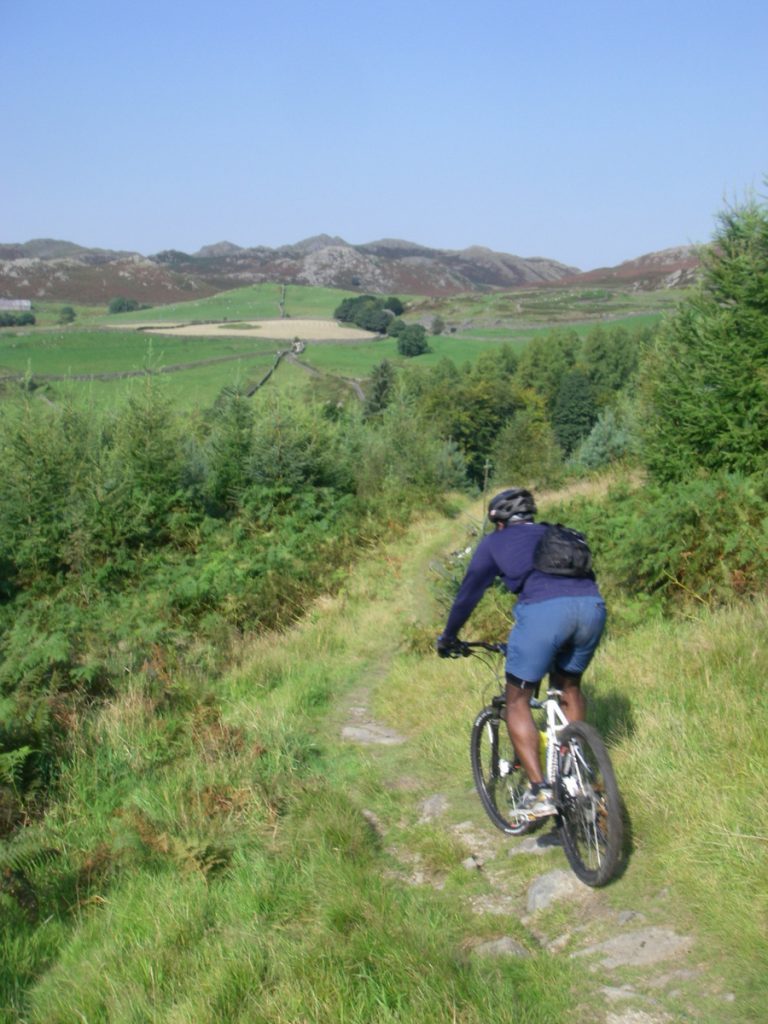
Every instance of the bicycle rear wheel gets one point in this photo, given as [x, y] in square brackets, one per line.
[589, 804]
[499, 776]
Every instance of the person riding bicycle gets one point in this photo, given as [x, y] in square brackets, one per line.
[559, 621]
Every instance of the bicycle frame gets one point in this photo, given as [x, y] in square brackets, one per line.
[556, 721]
[555, 718]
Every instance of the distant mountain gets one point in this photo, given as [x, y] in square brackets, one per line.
[218, 249]
[59, 271]
[668, 268]
[54, 249]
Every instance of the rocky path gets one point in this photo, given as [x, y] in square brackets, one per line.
[645, 969]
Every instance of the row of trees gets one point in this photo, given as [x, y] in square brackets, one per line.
[694, 421]
[23, 319]
[369, 312]
[688, 399]
[122, 305]
[384, 315]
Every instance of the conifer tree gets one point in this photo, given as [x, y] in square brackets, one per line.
[380, 389]
[706, 380]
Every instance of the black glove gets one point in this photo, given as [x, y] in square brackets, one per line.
[448, 646]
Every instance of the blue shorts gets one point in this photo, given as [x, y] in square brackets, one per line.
[561, 633]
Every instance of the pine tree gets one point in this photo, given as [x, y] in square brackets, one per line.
[380, 390]
[574, 411]
[706, 380]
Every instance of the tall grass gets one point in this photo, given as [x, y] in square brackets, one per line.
[691, 753]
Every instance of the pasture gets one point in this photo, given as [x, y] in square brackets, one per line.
[255, 302]
[72, 353]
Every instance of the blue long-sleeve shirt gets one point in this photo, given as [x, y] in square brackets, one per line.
[508, 553]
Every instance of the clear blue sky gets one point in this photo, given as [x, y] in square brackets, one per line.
[587, 132]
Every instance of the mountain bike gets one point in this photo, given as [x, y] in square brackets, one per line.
[575, 764]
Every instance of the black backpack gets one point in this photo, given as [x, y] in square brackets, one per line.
[563, 552]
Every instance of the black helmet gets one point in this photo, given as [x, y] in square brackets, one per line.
[516, 503]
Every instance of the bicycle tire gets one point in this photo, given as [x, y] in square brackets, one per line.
[589, 805]
[499, 776]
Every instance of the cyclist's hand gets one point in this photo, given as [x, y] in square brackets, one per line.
[443, 646]
[450, 647]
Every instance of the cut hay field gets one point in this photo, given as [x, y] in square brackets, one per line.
[280, 330]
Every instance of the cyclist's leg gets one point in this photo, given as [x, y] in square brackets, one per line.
[522, 728]
[573, 701]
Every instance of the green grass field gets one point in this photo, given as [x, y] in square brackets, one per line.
[358, 360]
[76, 352]
[256, 302]
[96, 351]
[187, 389]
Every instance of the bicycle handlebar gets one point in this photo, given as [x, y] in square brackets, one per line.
[464, 648]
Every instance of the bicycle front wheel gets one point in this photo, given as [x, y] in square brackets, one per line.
[589, 804]
[499, 776]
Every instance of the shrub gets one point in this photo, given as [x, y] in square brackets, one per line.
[122, 305]
[24, 319]
[412, 341]
[701, 541]
[609, 440]
[403, 460]
[526, 450]
[49, 471]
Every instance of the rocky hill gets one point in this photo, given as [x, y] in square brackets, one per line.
[63, 271]
[668, 268]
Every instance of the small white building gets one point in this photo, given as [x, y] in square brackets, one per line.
[17, 305]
